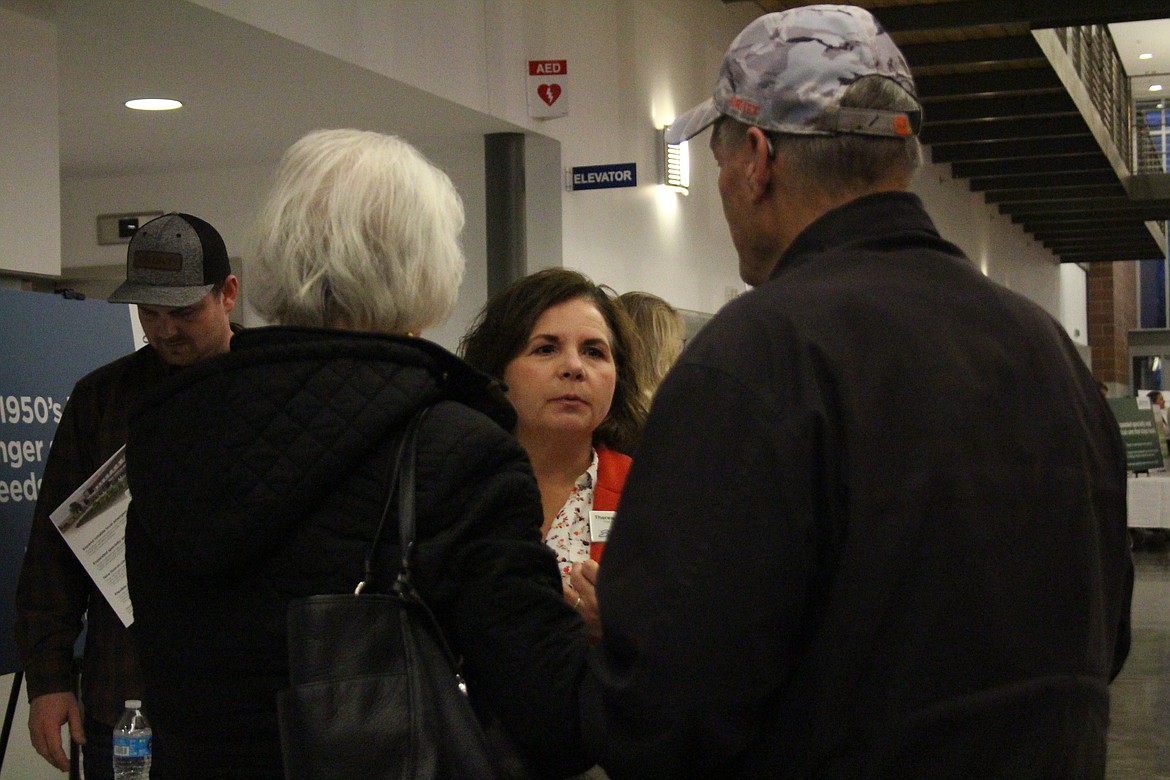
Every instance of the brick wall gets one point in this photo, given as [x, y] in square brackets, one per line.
[1112, 291]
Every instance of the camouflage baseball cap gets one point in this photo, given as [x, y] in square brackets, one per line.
[786, 72]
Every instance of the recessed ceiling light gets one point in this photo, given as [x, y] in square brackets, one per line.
[1155, 88]
[153, 104]
[1146, 56]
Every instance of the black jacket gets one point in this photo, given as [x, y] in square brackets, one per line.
[54, 591]
[876, 528]
[258, 477]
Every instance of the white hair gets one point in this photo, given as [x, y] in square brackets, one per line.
[359, 231]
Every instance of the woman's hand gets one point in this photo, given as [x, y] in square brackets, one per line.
[581, 594]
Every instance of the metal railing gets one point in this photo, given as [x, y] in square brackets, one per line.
[1148, 158]
[1095, 58]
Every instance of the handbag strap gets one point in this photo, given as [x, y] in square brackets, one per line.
[400, 483]
[406, 472]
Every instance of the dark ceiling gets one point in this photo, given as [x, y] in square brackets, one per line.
[997, 111]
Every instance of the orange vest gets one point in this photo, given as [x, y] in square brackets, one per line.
[612, 468]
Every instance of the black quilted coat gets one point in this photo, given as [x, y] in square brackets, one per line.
[258, 477]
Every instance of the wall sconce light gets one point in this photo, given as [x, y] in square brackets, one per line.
[675, 163]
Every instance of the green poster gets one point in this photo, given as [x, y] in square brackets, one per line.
[1143, 450]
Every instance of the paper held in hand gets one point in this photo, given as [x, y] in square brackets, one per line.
[93, 523]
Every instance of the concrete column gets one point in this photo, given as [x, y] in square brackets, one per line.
[507, 236]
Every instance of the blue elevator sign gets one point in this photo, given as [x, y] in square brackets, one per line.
[604, 177]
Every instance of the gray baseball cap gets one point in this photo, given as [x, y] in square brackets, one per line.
[786, 72]
[173, 261]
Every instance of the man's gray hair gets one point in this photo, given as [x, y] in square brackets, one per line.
[361, 231]
[844, 161]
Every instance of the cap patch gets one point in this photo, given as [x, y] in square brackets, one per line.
[158, 261]
[744, 107]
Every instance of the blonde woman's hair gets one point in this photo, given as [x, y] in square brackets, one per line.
[359, 231]
[661, 330]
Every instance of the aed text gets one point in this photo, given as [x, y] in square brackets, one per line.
[548, 67]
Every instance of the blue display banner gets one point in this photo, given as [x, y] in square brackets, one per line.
[604, 177]
[47, 343]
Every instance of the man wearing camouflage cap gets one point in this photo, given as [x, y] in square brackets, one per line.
[818, 569]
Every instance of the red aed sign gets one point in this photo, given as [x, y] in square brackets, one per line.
[547, 88]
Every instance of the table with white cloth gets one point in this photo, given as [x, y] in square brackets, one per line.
[1149, 501]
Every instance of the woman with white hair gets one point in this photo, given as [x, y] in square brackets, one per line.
[259, 477]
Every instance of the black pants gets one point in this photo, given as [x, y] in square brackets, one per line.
[98, 752]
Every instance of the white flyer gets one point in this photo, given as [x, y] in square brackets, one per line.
[93, 523]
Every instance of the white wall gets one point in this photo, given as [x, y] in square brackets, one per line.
[631, 239]
[1005, 253]
[1001, 249]
[633, 66]
[1074, 298]
[229, 199]
[437, 45]
[465, 167]
[30, 211]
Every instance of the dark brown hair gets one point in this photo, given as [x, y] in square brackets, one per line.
[505, 324]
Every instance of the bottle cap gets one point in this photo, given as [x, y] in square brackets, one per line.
[133, 704]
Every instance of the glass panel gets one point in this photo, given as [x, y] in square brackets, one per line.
[1152, 286]
[1147, 373]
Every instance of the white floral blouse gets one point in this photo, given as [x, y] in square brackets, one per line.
[568, 536]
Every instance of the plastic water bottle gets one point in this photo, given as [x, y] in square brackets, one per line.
[132, 739]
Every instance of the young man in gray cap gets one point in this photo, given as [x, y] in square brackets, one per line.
[817, 570]
[178, 273]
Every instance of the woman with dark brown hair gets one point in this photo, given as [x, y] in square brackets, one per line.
[565, 351]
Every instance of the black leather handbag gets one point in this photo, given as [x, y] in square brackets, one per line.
[375, 691]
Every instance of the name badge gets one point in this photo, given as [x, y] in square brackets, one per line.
[599, 523]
